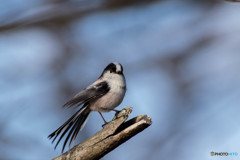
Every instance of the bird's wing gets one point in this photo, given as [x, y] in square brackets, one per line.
[90, 93]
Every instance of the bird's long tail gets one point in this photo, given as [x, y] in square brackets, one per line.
[73, 125]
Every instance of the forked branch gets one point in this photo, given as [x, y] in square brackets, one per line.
[111, 136]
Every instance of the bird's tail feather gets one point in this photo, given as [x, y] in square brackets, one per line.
[73, 125]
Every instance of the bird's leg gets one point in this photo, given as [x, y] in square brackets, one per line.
[105, 122]
[117, 111]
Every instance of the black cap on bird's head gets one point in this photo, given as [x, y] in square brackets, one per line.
[114, 67]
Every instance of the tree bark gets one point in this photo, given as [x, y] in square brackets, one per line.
[111, 136]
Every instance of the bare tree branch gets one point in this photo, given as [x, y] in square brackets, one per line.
[111, 136]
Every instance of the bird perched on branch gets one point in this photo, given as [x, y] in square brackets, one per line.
[106, 93]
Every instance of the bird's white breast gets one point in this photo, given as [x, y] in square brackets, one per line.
[115, 95]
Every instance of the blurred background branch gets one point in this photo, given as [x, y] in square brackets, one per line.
[232, 0]
[62, 12]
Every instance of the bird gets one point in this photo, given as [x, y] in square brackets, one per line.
[103, 95]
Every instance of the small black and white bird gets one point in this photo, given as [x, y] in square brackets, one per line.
[106, 93]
